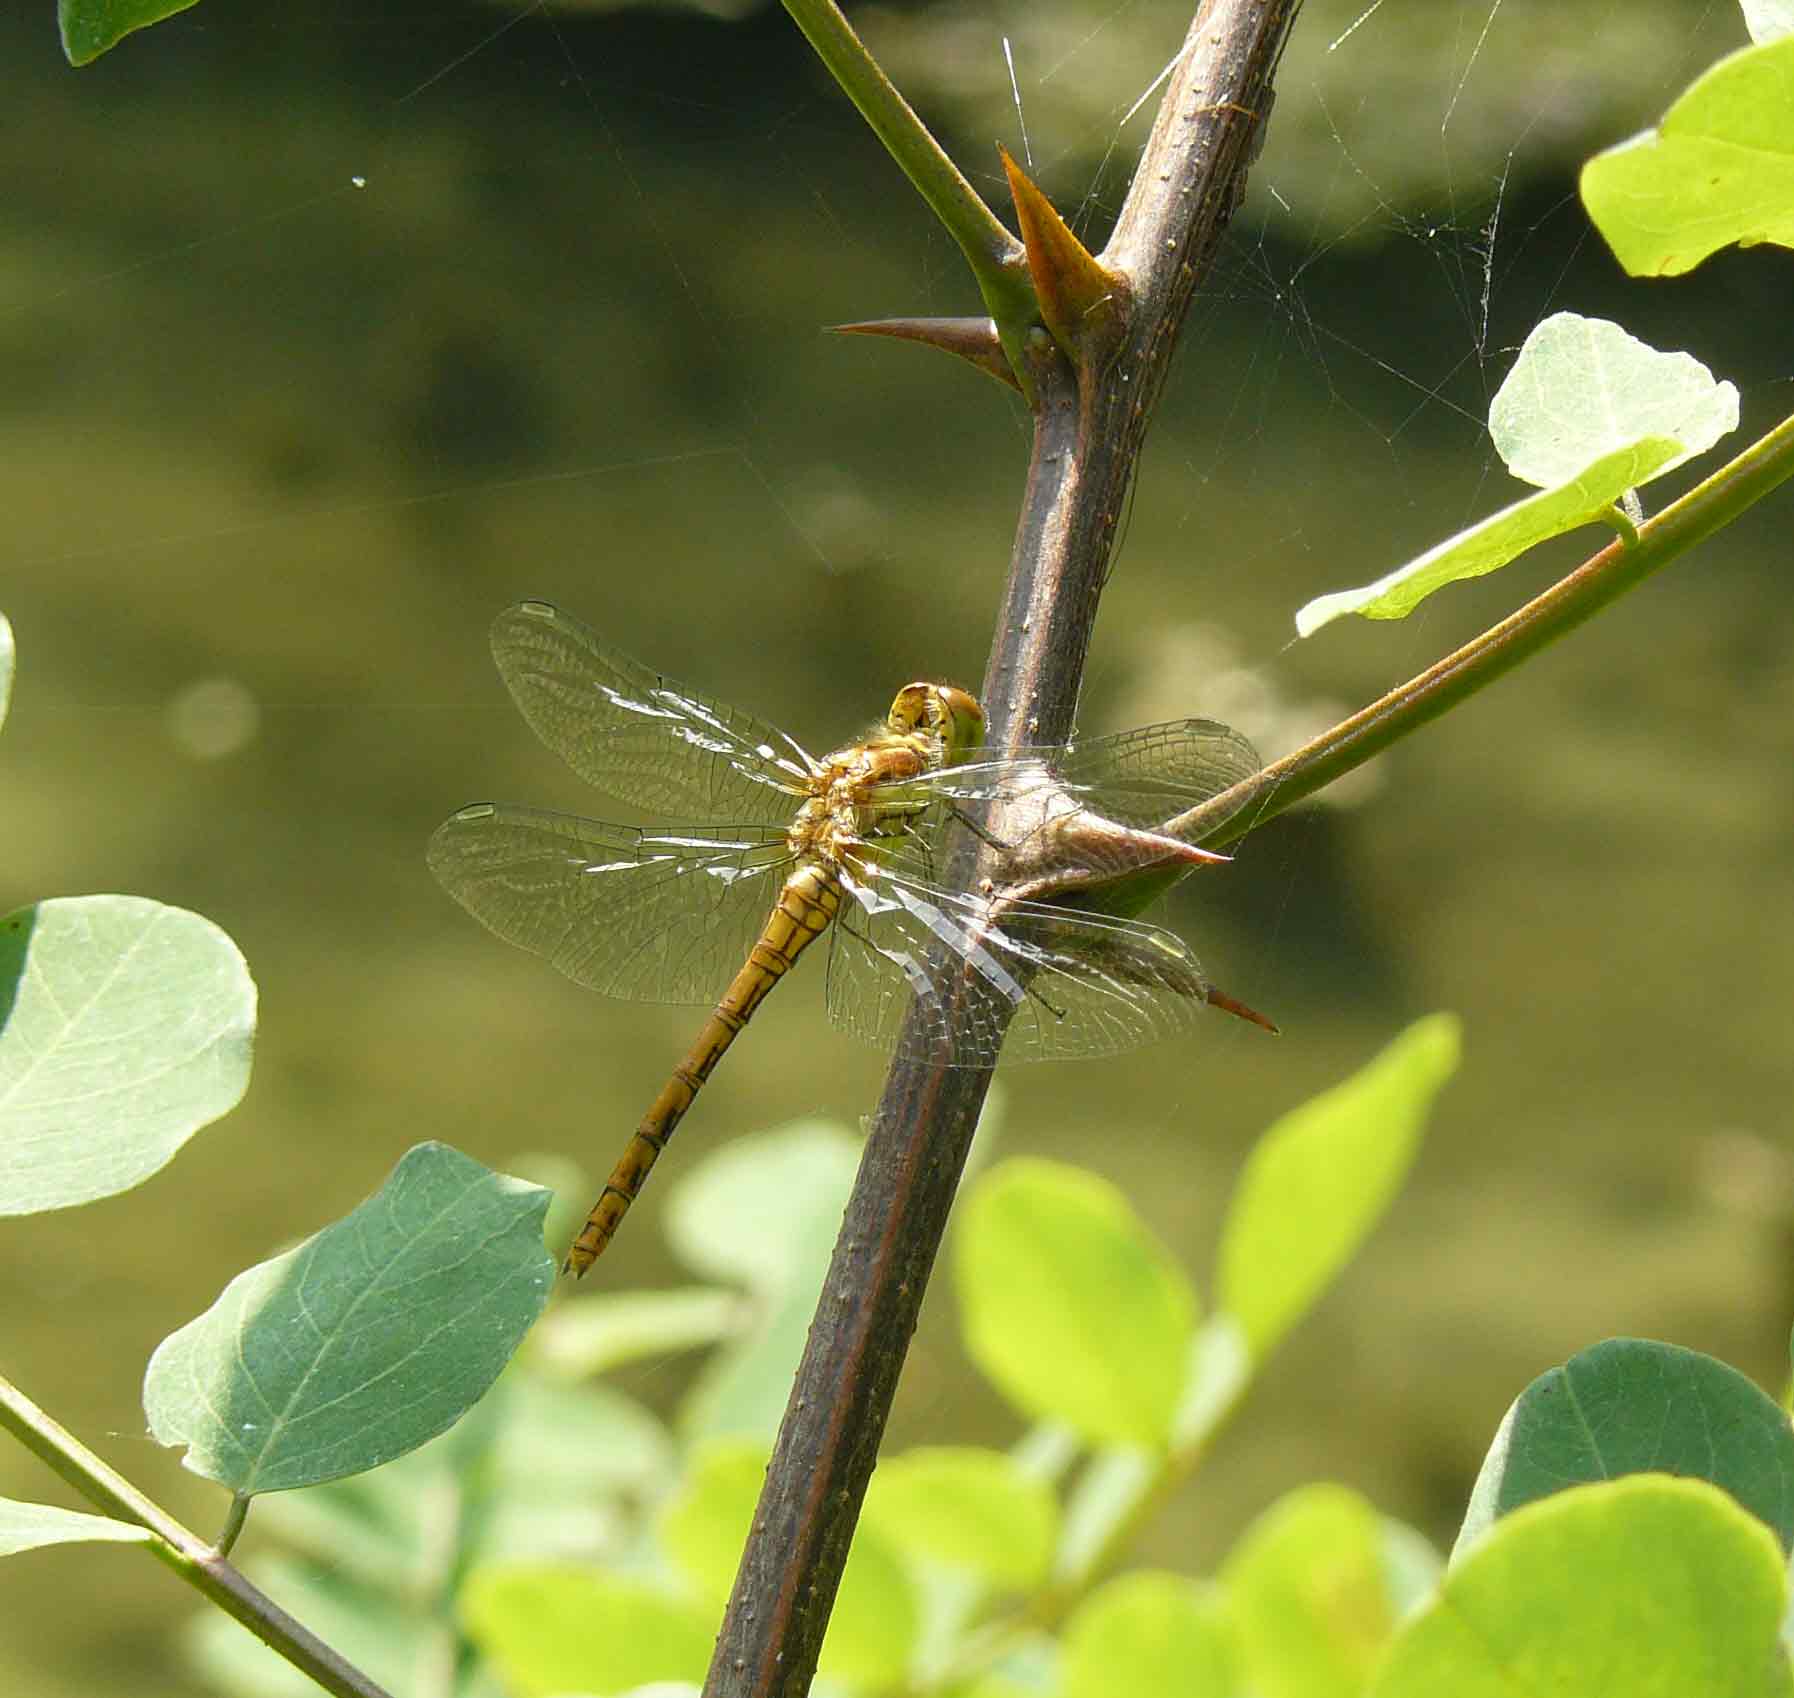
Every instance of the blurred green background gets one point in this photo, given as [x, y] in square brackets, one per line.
[324, 334]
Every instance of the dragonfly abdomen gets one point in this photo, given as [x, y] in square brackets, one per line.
[808, 901]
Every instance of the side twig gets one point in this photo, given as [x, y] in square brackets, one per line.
[202, 1566]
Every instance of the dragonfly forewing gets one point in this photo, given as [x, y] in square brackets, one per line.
[637, 735]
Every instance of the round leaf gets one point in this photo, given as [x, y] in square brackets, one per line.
[1650, 1587]
[1319, 1180]
[1308, 1591]
[876, 1622]
[1149, 1635]
[554, 1628]
[1583, 389]
[369, 1338]
[705, 1524]
[125, 1026]
[717, 1214]
[1587, 413]
[27, 1526]
[971, 1510]
[1631, 1406]
[1719, 169]
[1070, 1305]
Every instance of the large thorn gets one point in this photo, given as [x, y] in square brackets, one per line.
[1082, 302]
[973, 339]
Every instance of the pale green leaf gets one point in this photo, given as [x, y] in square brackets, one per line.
[1646, 1586]
[1319, 1180]
[1583, 389]
[592, 1335]
[1632, 1406]
[565, 1628]
[1308, 1591]
[704, 1525]
[27, 1526]
[1768, 20]
[877, 1621]
[762, 1212]
[1588, 412]
[125, 1026]
[752, 1213]
[1069, 1305]
[1719, 169]
[962, 1508]
[369, 1338]
[1150, 1635]
[90, 27]
[6, 667]
[875, 1625]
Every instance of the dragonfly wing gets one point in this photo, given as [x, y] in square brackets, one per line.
[1137, 778]
[1145, 776]
[641, 738]
[659, 915]
[1040, 984]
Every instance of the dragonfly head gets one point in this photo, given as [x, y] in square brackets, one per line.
[943, 712]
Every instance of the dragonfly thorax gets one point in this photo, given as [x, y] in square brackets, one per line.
[851, 801]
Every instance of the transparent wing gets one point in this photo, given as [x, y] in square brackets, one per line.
[1139, 778]
[660, 915]
[1044, 984]
[637, 736]
[1143, 777]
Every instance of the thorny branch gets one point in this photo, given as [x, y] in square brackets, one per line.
[1089, 427]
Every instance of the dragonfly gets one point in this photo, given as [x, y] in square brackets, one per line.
[782, 848]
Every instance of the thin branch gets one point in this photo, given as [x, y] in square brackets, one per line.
[186, 1553]
[1600, 580]
[994, 255]
[1088, 429]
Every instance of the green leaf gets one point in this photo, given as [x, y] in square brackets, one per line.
[26, 1526]
[1650, 1587]
[1069, 1305]
[718, 1219]
[6, 667]
[705, 1523]
[876, 1621]
[1768, 20]
[1583, 389]
[567, 1468]
[1719, 169]
[1630, 1406]
[1308, 1591]
[90, 27]
[962, 1508]
[1319, 1180]
[369, 1338]
[1588, 412]
[559, 1628]
[592, 1335]
[125, 1026]
[1149, 1635]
